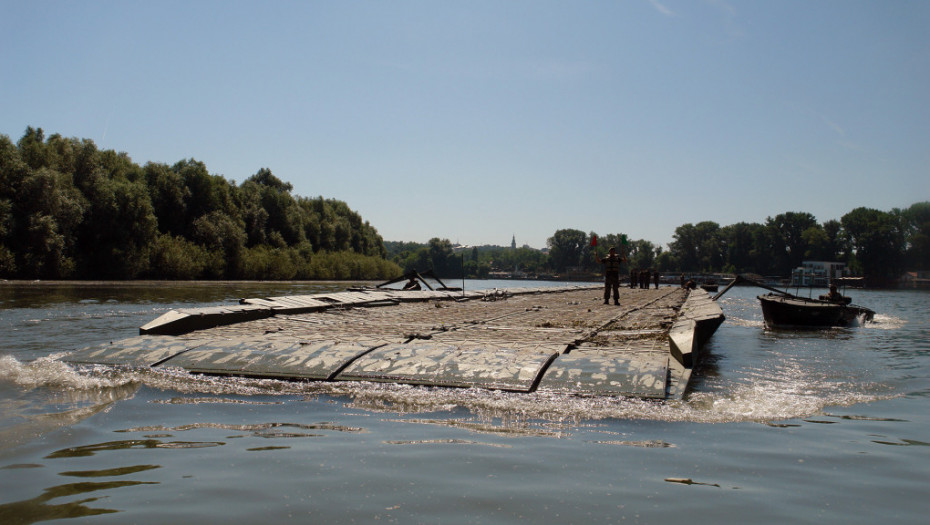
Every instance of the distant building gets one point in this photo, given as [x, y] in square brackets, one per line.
[915, 280]
[513, 243]
[817, 273]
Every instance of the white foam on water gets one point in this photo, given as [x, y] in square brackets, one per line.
[787, 395]
[750, 323]
[49, 372]
[884, 322]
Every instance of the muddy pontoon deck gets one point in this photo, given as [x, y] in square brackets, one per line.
[561, 339]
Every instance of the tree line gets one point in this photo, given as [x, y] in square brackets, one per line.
[71, 210]
[879, 245]
[476, 262]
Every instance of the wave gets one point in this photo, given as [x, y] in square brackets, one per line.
[49, 372]
[885, 322]
[759, 401]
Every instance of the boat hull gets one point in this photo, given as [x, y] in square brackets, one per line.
[798, 312]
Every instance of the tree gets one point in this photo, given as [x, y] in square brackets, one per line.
[642, 254]
[740, 243]
[877, 240]
[284, 215]
[177, 258]
[169, 195]
[837, 246]
[817, 245]
[264, 177]
[223, 235]
[12, 172]
[666, 262]
[119, 229]
[206, 192]
[566, 248]
[787, 233]
[917, 227]
[32, 148]
[443, 261]
[53, 210]
[697, 247]
[68, 208]
[7, 257]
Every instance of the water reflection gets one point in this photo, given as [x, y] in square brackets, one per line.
[110, 472]
[90, 450]
[39, 509]
[652, 443]
[257, 429]
[444, 442]
[903, 443]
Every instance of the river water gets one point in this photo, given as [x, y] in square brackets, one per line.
[825, 426]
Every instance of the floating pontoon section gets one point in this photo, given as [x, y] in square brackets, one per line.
[561, 339]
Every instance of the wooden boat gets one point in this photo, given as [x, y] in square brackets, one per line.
[786, 310]
[781, 309]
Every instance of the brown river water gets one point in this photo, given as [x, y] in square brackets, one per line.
[823, 426]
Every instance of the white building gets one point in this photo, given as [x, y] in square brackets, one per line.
[817, 273]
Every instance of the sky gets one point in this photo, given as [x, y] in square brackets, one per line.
[483, 121]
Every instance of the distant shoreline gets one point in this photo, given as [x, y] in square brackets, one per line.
[154, 283]
[167, 283]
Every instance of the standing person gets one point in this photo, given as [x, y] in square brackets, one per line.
[611, 274]
[655, 278]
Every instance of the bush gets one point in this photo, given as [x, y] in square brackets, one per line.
[176, 258]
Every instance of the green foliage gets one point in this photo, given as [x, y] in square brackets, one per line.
[68, 209]
[641, 254]
[223, 235]
[876, 244]
[917, 228]
[477, 261]
[741, 242]
[169, 196]
[118, 228]
[566, 248]
[878, 241]
[787, 232]
[698, 247]
[177, 258]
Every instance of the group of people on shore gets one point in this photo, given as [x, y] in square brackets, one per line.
[641, 277]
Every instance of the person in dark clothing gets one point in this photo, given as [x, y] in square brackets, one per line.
[611, 275]
[655, 278]
[833, 296]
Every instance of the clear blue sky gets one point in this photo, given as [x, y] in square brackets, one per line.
[475, 121]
